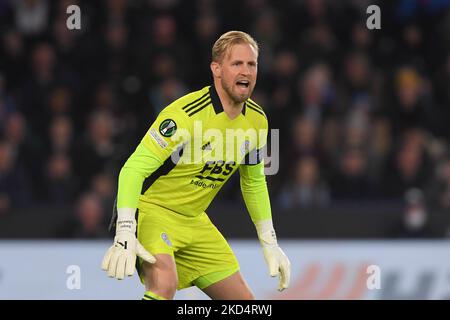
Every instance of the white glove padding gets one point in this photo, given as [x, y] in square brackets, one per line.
[276, 259]
[120, 259]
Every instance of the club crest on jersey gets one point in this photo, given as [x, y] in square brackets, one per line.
[167, 128]
[166, 239]
[245, 147]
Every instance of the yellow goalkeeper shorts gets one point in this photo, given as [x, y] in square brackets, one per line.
[202, 255]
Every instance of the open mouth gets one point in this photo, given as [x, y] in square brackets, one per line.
[243, 83]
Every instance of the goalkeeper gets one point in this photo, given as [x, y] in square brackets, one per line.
[174, 174]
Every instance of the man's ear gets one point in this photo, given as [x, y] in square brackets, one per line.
[215, 69]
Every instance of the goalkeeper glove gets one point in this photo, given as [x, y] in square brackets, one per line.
[276, 259]
[120, 259]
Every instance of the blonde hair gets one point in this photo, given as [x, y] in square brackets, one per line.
[229, 39]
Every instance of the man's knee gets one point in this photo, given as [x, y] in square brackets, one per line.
[162, 284]
[170, 288]
[248, 295]
[161, 278]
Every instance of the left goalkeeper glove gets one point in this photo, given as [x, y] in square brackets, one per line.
[276, 259]
[120, 259]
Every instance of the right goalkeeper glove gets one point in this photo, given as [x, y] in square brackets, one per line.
[120, 259]
[277, 261]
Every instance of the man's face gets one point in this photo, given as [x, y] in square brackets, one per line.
[237, 72]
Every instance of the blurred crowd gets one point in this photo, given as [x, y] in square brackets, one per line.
[362, 113]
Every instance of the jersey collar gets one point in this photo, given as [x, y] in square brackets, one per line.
[215, 100]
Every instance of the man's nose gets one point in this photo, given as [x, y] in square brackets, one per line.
[245, 70]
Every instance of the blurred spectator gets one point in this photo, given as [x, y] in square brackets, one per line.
[166, 4]
[167, 91]
[26, 150]
[116, 10]
[285, 67]
[409, 109]
[439, 189]
[442, 95]
[362, 39]
[306, 189]
[318, 43]
[65, 42]
[351, 179]
[355, 86]
[380, 144]
[412, 49]
[357, 128]
[303, 142]
[116, 38]
[109, 101]
[97, 151]
[410, 165]
[12, 59]
[283, 77]
[305, 136]
[206, 29]
[60, 101]
[60, 182]
[7, 106]
[31, 16]
[106, 100]
[266, 29]
[61, 136]
[415, 223]
[315, 91]
[14, 188]
[89, 218]
[281, 104]
[37, 87]
[164, 54]
[104, 187]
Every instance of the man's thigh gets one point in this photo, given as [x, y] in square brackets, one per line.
[233, 287]
[161, 235]
[207, 259]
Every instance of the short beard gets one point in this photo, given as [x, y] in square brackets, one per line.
[235, 98]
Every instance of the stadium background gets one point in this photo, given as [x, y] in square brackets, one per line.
[364, 140]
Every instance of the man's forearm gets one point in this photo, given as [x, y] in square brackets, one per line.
[140, 165]
[255, 193]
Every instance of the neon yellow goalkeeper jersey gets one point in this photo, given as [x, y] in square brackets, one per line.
[200, 148]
